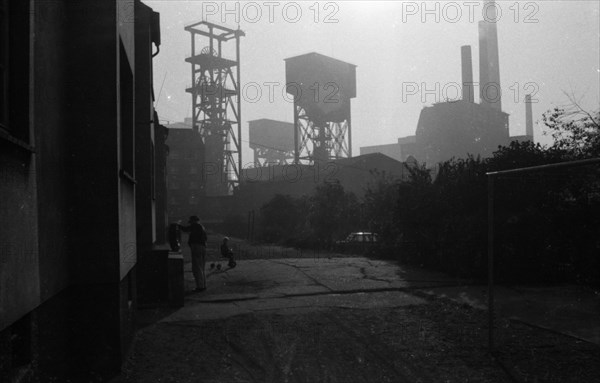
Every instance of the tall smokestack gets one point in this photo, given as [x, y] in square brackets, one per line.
[489, 62]
[528, 117]
[468, 93]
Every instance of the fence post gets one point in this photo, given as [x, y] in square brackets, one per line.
[490, 262]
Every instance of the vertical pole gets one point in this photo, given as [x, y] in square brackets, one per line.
[490, 263]
[194, 90]
[248, 228]
[252, 232]
[239, 106]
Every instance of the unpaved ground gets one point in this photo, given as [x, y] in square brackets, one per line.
[283, 333]
[436, 342]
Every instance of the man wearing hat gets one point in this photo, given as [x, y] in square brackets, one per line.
[197, 242]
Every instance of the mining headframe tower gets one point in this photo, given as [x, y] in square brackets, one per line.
[216, 103]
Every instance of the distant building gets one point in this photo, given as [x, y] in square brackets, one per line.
[455, 129]
[354, 174]
[461, 127]
[400, 151]
[408, 147]
[272, 141]
[185, 170]
[75, 107]
[390, 150]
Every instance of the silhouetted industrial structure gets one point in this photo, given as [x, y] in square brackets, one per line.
[184, 168]
[489, 58]
[457, 128]
[354, 174]
[528, 136]
[216, 103]
[403, 150]
[272, 142]
[322, 88]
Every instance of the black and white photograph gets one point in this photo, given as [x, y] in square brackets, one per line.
[352, 191]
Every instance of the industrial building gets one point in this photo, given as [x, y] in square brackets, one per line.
[271, 141]
[353, 174]
[454, 129]
[403, 150]
[82, 191]
[457, 128]
[185, 169]
[390, 150]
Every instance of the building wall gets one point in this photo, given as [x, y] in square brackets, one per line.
[456, 129]
[68, 228]
[185, 174]
[19, 290]
[144, 132]
[160, 180]
[50, 125]
[19, 274]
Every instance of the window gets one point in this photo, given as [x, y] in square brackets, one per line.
[193, 185]
[193, 169]
[14, 69]
[173, 170]
[174, 154]
[174, 185]
[193, 200]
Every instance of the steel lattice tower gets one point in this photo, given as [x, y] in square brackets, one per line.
[216, 104]
[322, 88]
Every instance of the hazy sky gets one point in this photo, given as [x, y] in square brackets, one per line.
[545, 46]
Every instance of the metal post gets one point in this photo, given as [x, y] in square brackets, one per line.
[239, 108]
[248, 228]
[252, 232]
[491, 263]
[194, 90]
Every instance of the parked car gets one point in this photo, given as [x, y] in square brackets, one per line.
[357, 243]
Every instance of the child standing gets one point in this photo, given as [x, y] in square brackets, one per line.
[227, 252]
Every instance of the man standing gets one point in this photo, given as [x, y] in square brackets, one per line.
[197, 242]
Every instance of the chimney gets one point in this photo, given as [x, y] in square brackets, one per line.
[468, 93]
[528, 117]
[489, 62]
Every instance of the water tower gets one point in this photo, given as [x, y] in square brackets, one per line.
[321, 88]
